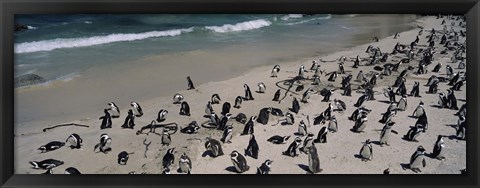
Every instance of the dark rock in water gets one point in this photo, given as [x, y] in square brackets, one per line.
[28, 79]
[19, 27]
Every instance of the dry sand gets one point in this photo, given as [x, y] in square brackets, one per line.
[336, 156]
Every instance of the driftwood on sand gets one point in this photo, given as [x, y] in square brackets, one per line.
[64, 125]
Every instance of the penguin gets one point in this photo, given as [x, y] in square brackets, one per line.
[366, 153]
[385, 134]
[208, 108]
[360, 124]
[461, 128]
[356, 63]
[419, 111]
[301, 71]
[341, 69]
[248, 93]
[185, 164]
[437, 67]
[239, 162]
[114, 110]
[358, 113]
[347, 91]
[307, 142]
[289, 119]
[402, 103]
[458, 85]
[137, 110]
[431, 80]
[238, 102]
[49, 171]
[75, 141]
[433, 87]
[265, 168]
[390, 94]
[438, 151]
[332, 125]
[215, 99]
[327, 94]
[46, 164]
[396, 35]
[392, 107]
[413, 133]
[162, 114]
[226, 108]
[306, 95]
[319, 119]
[360, 100]
[302, 128]
[185, 109]
[261, 87]
[166, 138]
[53, 145]
[248, 129]
[292, 148]
[223, 121]
[275, 71]
[461, 65]
[360, 76]
[123, 158]
[192, 128]
[241, 118]
[452, 100]
[295, 106]
[104, 145]
[417, 160]
[314, 65]
[387, 116]
[276, 96]
[106, 120]
[373, 80]
[278, 139]
[462, 111]
[415, 90]
[449, 71]
[129, 120]
[313, 160]
[322, 136]
[332, 77]
[214, 146]
[370, 93]
[422, 122]
[168, 158]
[177, 98]
[401, 90]
[454, 79]
[252, 148]
[264, 115]
[190, 85]
[386, 171]
[71, 170]
[328, 112]
[227, 134]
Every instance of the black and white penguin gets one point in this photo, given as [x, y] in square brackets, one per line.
[215, 99]
[387, 116]
[437, 67]
[306, 95]
[313, 160]
[168, 158]
[396, 35]
[333, 76]
[71, 170]
[190, 83]
[322, 136]
[226, 108]
[75, 141]
[276, 96]
[106, 120]
[415, 90]
[185, 164]
[301, 71]
[422, 122]
[332, 125]
[360, 76]
[373, 80]
[46, 164]
[238, 102]
[431, 80]
[278, 139]
[402, 103]
[302, 128]
[461, 128]
[454, 79]
[300, 87]
[433, 87]
[227, 134]
[401, 90]
[390, 94]
[261, 87]
[413, 133]
[123, 158]
[264, 115]
[327, 94]
[162, 115]
[223, 121]
[104, 145]
[137, 110]
[360, 100]
[417, 160]
[449, 71]
[307, 142]
[452, 100]
[114, 110]
[360, 124]
[265, 168]
[315, 65]
[275, 71]
[252, 148]
[385, 134]
[192, 128]
[438, 149]
[241, 118]
[341, 106]
[185, 109]
[248, 129]
[214, 147]
[53, 145]
[177, 98]
[366, 153]
[419, 111]
[341, 69]
[295, 106]
[462, 111]
[129, 120]
[458, 85]
[292, 148]
[248, 93]
[166, 138]
[442, 100]
[239, 162]
[347, 90]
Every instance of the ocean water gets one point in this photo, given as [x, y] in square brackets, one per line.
[62, 47]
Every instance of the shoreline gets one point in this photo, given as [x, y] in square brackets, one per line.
[197, 100]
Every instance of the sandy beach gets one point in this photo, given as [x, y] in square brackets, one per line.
[337, 156]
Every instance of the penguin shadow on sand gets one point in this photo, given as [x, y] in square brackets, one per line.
[208, 153]
[436, 106]
[384, 101]
[232, 169]
[304, 167]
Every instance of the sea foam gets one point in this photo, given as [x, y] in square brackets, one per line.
[242, 26]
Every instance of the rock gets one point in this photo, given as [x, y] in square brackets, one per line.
[19, 27]
[28, 79]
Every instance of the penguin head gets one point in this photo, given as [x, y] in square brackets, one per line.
[391, 123]
[234, 154]
[367, 141]
[34, 164]
[268, 163]
[285, 138]
[171, 151]
[298, 140]
[43, 148]
[420, 149]
[105, 111]
[253, 118]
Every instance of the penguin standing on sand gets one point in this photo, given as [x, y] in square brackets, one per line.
[333, 76]
[360, 124]
[314, 65]
[347, 91]
[248, 129]
[366, 153]
[437, 67]
[295, 106]
[261, 87]
[114, 110]
[276, 96]
[322, 136]
[417, 160]
[275, 71]
[449, 71]
[216, 99]
[385, 134]
[341, 106]
[387, 116]
[433, 87]
[166, 138]
[238, 102]
[452, 100]
[278, 139]
[301, 71]
[223, 122]
[313, 160]
[401, 90]
[415, 90]
[129, 120]
[307, 142]
[458, 85]
[214, 147]
[177, 98]
[252, 148]
[327, 94]
[265, 167]
[341, 68]
[168, 158]
[137, 110]
[302, 128]
[185, 109]
[162, 114]
[292, 149]
[419, 111]
[332, 125]
[462, 128]
[390, 94]
[422, 122]
[190, 83]
[360, 76]
[75, 141]
[185, 164]
[106, 120]
[227, 134]
[104, 145]
[361, 99]
[239, 162]
[306, 95]
[248, 93]
[226, 108]
[413, 133]
[438, 149]
[402, 103]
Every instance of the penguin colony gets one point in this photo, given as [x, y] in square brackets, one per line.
[308, 141]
